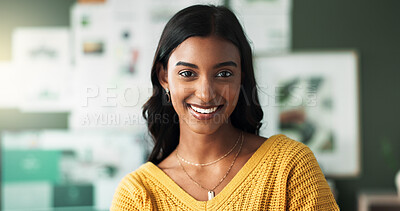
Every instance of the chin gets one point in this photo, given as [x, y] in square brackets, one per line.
[204, 129]
[208, 127]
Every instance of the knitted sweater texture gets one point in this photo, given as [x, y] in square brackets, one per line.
[282, 174]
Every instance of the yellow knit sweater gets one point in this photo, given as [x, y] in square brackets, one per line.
[281, 175]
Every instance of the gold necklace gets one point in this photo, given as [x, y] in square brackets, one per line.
[212, 162]
[211, 193]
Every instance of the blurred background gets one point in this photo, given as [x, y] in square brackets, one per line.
[74, 75]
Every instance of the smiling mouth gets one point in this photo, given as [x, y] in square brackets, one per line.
[204, 113]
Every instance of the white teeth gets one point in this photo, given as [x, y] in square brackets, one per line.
[204, 111]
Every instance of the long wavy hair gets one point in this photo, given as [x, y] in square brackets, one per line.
[203, 21]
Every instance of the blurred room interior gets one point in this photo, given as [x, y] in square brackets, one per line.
[74, 75]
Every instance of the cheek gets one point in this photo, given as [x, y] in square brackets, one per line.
[231, 94]
[234, 97]
[178, 94]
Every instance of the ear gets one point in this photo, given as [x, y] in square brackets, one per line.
[162, 75]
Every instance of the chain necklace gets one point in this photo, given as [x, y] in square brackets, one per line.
[212, 162]
[211, 193]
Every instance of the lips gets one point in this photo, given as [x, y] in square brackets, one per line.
[204, 112]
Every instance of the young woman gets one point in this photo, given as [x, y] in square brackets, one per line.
[204, 117]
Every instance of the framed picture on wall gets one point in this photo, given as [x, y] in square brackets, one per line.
[42, 65]
[313, 97]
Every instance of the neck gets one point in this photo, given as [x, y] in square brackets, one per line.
[203, 148]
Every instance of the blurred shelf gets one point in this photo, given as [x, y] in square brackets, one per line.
[14, 119]
[380, 200]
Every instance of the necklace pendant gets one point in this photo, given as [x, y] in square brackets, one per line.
[211, 194]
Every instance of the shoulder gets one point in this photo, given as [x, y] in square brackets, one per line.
[297, 157]
[284, 150]
[131, 191]
[284, 144]
[278, 142]
[137, 179]
[278, 149]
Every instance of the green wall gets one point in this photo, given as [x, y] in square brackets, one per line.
[371, 27]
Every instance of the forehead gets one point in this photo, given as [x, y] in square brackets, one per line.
[205, 51]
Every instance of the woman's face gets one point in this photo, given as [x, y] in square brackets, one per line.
[204, 77]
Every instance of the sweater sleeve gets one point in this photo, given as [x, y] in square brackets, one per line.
[130, 195]
[307, 188]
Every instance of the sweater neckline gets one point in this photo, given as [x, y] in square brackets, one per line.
[237, 180]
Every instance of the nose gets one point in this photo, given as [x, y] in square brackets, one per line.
[205, 90]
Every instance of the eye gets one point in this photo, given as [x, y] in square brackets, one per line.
[186, 74]
[224, 74]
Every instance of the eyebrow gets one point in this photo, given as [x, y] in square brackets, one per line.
[222, 64]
